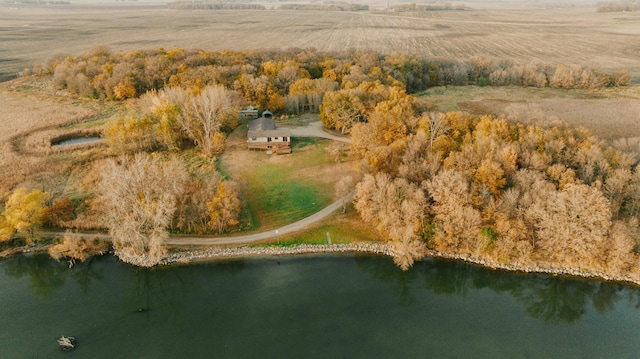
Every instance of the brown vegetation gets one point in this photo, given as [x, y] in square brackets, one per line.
[506, 191]
[514, 31]
[618, 6]
[140, 195]
[20, 116]
[77, 248]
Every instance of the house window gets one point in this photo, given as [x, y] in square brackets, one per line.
[253, 138]
[284, 139]
[276, 138]
[268, 139]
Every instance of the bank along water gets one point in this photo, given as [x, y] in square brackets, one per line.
[322, 306]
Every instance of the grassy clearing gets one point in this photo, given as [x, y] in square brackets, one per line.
[342, 228]
[278, 194]
[449, 98]
[610, 113]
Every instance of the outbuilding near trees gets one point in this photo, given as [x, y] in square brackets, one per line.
[263, 135]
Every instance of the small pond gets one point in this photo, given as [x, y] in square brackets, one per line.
[75, 140]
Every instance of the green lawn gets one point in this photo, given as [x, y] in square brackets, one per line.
[342, 228]
[281, 192]
[278, 199]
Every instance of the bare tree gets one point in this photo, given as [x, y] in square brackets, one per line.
[342, 189]
[437, 126]
[204, 115]
[139, 194]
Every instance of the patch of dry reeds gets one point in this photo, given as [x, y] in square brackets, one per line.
[22, 116]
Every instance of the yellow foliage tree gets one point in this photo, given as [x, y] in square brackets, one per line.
[132, 132]
[340, 110]
[224, 207]
[490, 174]
[23, 214]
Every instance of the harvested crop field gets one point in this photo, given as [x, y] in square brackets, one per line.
[548, 33]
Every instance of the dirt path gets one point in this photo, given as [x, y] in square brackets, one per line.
[247, 238]
[314, 129]
[241, 239]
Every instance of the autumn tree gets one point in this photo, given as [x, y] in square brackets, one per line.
[131, 132]
[340, 110]
[204, 115]
[75, 248]
[24, 213]
[419, 162]
[191, 208]
[62, 209]
[572, 224]
[254, 89]
[307, 94]
[457, 221]
[382, 139]
[164, 108]
[224, 207]
[139, 194]
[397, 209]
[435, 125]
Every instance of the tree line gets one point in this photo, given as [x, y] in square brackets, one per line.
[618, 6]
[205, 5]
[295, 79]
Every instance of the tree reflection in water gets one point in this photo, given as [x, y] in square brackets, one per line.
[45, 275]
[383, 269]
[552, 299]
[164, 286]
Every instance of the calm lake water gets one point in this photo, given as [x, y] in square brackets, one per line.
[323, 306]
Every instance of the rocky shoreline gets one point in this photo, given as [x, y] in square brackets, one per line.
[235, 252]
[213, 253]
[384, 249]
[547, 269]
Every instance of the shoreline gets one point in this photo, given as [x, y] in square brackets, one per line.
[186, 257]
[242, 252]
[218, 253]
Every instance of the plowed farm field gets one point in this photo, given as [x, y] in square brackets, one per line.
[548, 33]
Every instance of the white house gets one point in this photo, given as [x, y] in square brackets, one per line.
[263, 135]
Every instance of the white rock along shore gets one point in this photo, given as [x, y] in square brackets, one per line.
[385, 249]
[372, 248]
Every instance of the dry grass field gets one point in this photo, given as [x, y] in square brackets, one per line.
[24, 115]
[610, 114]
[568, 32]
